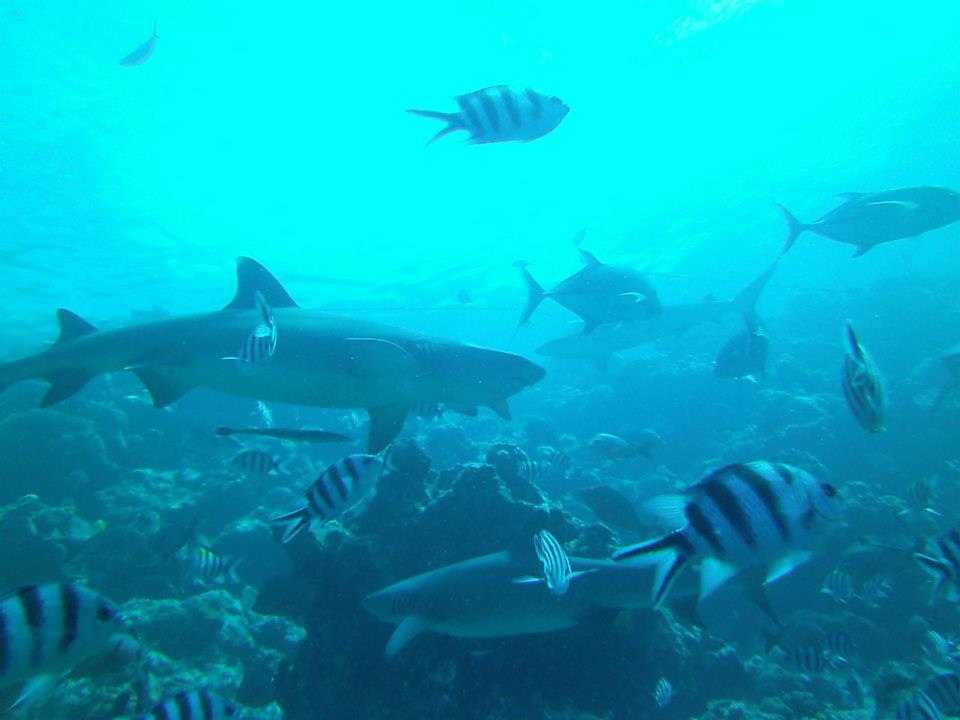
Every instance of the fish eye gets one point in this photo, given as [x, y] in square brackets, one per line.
[829, 490]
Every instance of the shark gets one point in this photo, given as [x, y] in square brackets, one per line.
[482, 598]
[321, 360]
[607, 340]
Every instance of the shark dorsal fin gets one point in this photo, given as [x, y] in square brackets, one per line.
[252, 277]
[72, 326]
[588, 258]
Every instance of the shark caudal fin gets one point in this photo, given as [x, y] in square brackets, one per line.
[746, 300]
[794, 228]
[292, 524]
[453, 121]
[670, 552]
[535, 293]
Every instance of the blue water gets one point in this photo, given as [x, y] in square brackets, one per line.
[279, 132]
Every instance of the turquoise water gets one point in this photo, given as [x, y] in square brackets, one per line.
[279, 132]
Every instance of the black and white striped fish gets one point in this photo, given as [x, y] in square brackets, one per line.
[557, 572]
[863, 386]
[254, 462]
[340, 487]
[261, 344]
[809, 658]
[192, 705]
[207, 567]
[919, 707]
[45, 630]
[753, 514]
[501, 114]
[944, 690]
[944, 563]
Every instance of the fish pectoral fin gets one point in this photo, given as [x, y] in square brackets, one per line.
[375, 357]
[33, 691]
[527, 580]
[786, 565]
[163, 388]
[407, 630]
[501, 408]
[386, 422]
[63, 385]
[713, 574]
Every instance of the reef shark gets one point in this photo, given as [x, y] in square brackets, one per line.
[481, 598]
[321, 360]
[607, 340]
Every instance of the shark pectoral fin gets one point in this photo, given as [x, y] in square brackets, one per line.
[713, 574]
[163, 388]
[375, 357]
[406, 631]
[63, 385]
[33, 691]
[786, 565]
[527, 580]
[501, 408]
[386, 422]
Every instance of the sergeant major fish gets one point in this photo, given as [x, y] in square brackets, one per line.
[260, 344]
[598, 293]
[208, 567]
[863, 386]
[340, 487]
[192, 705]
[254, 462]
[48, 629]
[866, 220]
[753, 514]
[501, 114]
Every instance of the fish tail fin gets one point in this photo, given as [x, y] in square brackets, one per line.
[939, 569]
[535, 294]
[671, 552]
[794, 228]
[292, 524]
[746, 300]
[452, 119]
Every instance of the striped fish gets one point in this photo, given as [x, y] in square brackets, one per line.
[863, 386]
[254, 462]
[557, 572]
[754, 514]
[919, 707]
[501, 114]
[207, 567]
[944, 691]
[261, 344]
[943, 562]
[45, 630]
[192, 705]
[809, 658]
[340, 487]
[663, 693]
[839, 586]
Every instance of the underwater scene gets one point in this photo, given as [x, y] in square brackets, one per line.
[480, 360]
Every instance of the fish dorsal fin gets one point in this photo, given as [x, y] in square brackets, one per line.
[252, 277]
[72, 326]
[588, 258]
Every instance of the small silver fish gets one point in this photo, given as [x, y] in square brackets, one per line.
[500, 114]
[663, 693]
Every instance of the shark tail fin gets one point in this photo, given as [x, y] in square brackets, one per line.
[292, 524]
[939, 569]
[535, 294]
[746, 300]
[794, 228]
[671, 552]
[453, 121]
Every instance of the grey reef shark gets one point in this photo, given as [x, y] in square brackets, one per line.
[321, 360]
